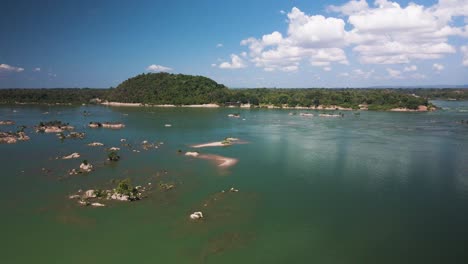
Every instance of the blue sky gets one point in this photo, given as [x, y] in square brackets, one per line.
[238, 43]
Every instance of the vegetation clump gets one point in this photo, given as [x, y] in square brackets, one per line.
[166, 186]
[113, 156]
[124, 187]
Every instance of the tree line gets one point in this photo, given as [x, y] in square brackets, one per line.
[179, 89]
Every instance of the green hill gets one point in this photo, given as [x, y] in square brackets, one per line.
[165, 88]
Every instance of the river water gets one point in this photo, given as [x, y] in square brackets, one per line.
[378, 187]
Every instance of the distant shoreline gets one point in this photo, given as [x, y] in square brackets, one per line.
[421, 108]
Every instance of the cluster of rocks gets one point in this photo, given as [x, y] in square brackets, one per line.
[53, 127]
[7, 122]
[234, 115]
[146, 145]
[93, 197]
[113, 125]
[71, 135]
[11, 137]
[85, 167]
[106, 125]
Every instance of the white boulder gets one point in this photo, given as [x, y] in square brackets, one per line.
[196, 215]
[72, 156]
[86, 167]
[90, 194]
[192, 154]
[95, 144]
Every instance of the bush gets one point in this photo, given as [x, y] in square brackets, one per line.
[113, 156]
[125, 187]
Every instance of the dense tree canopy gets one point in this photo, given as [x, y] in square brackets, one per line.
[165, 88]
[51, 96]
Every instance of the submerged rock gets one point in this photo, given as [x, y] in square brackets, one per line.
[79, 135]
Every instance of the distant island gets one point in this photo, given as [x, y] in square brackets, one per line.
[180, 89]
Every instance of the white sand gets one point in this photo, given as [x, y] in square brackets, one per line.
[212, 144]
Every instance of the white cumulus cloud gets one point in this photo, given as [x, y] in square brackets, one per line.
[396, 74]
[391, 34]
[438, 67]
[219, 45]
[236, 63]
[158, 68]
[37, 69]
[410, 68]
[9, 68]
[377, 32]
[418, 76]
[352, 7]
[308, 37]
[464, 50]
[362, 74]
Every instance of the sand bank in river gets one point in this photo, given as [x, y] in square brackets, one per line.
[226, 142]
[220, 161]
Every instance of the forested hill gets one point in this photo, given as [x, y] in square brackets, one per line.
[165, 88]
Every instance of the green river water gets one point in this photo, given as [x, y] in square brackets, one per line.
[378, 187]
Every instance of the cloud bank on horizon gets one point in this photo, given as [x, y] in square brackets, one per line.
[384, 33]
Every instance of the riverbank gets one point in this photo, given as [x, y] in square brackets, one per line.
[362, 107]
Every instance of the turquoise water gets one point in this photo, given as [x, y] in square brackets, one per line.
[377, 187]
